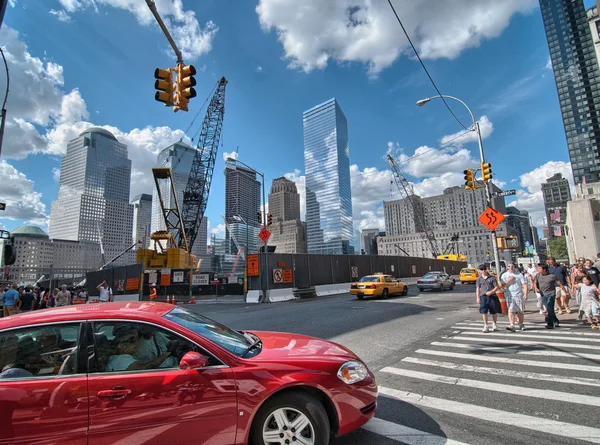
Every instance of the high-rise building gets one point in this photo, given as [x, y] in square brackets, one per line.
[369, 241]
[329, 228]
[93, 195]
[556, 193]
[582, 227]
[519, 221]
[577, 77]
[142, 219]
[288, 232]
[178, 157]
[594, 23]
[242, 194]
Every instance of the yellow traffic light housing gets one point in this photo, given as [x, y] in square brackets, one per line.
[259, 216]
[486, 171]
[269, 219]
[469, 179]
[184, 86]
[164, 86]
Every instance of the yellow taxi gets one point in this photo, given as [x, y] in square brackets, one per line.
[468, 275]
[378, 285]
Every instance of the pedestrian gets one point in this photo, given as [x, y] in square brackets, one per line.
[152, 292]
[52, 298]
[486, 287]
[577, 278]
[546, 284]
[597, 262]
[63, 298]
[10, 299]
[562, 294]
[106, 294]
[26, 300]
[593, 272]
[516, 294]
[589, 301]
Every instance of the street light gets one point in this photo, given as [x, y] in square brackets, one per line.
[474, 127]
[237, 161]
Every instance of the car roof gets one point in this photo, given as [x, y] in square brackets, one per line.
[434, 271]
[126, 310]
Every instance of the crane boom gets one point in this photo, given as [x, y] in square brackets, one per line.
[406, 189]
[195, 196]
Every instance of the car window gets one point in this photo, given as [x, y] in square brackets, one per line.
[131, 346]
[369, 279]
[40, 351]
[388, 279]
[431, 275]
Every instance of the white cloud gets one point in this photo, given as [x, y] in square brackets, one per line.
[232, 155]
[464, 137]
[429, 162]
[56, 174]
[192, 39]
[61, 15]
[259, 69]
[314, 32]
[548, 64]
[219, 231]
[22, 201]
[72, 108]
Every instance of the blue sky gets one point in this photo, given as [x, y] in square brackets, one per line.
[75, 63]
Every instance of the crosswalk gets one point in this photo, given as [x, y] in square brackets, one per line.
[465, 386]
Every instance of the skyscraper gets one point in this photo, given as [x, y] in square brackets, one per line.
[288, 232]
[327, 167]
[557, 193]
[142, 219]
[178, 157]
[578, 83]
[93, 195]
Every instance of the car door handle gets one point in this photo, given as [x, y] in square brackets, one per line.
[114, 393]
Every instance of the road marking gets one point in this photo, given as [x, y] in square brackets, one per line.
[512, 361]
[560, 331]
[529, 335]
[547, 394]
[491, 339]
[407, 435]
[540, 424]
[504, 372]
[506, 350]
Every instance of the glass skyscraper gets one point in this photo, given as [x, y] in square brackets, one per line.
[578, 83]
[93, 195]
[329, 228]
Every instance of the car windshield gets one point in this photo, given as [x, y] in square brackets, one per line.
[469, 271]
[369, 278]
[219, 334]
[431, 275]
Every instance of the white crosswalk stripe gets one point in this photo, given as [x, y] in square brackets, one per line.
[545, 373]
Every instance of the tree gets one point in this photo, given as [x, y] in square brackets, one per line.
[558, 248]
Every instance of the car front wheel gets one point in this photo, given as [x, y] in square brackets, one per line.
[405, 291]
[291, 418]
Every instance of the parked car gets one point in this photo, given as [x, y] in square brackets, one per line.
[157, 373]
[468, 275]
[436, 280]
[378, 285]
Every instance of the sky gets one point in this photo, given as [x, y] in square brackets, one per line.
[81, 63]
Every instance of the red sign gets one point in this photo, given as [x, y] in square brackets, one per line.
[132, 284]
[287, 276]
[491, 218]
[264, 234]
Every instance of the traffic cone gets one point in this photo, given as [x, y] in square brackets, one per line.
[168, 299]
[173, 299]
[502, 297]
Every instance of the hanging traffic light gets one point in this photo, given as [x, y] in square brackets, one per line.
[259, 216]
[184, 86]
[164, 86]
[486, 171]
[469, 179]
[269, 219]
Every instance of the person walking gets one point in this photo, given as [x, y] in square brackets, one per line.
[546, 284]
[562, 294]
[516, 293]
[593, 272]
[152, 292]
[577, 278]
[486, 287]
[589, 301]
[26, 300]
[63, 298]
[10, 298]
[597, 262]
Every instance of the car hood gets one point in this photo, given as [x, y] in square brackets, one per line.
[282, 346]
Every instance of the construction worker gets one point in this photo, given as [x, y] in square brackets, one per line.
[152, 292]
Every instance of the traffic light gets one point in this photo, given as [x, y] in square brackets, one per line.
[164, 86]
[259, 216]
[486, 171]
[469, 179]
[269, 219]
[184, 86]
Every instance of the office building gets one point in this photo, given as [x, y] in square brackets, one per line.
[582, 227]
[577, 77]
[369, 241]
[556, 193]
[142, 219]
[594, 24]
[93, 195]
[518, 221]
[455, 212]
[178, 157]
[288, 232]
[329, 227]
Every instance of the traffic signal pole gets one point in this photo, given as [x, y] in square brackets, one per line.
[156, 15]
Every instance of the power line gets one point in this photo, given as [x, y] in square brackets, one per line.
[423, 65]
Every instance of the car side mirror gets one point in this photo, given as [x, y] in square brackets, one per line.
[193, 360]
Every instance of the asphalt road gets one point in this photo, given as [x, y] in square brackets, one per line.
[443, 381]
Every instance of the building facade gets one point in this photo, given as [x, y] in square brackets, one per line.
[582, 227]
[142, 219]
[329, 224]
[455, 212]
[93, 195]
[288, 232]
[575, 66]
[242, 194]
[518, 220]
[369, 241]
[557, 193]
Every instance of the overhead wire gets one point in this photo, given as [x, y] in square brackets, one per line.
[423, 65]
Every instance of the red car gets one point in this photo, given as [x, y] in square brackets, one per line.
[152, 373]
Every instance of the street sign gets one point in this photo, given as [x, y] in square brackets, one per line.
[354, 272]
[132, 284]
[178, 276]
[277, 276]
[200, 279]
[2, 206]
[491, 218]
[253, 267]
[287, 276]
[165, 277]
[505, 193]
[264, 235]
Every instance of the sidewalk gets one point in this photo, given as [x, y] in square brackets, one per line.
[212, 299]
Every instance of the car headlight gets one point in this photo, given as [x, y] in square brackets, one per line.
[352, 371]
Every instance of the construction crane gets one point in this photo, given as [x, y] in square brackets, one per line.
[407, 192]
[451, 251]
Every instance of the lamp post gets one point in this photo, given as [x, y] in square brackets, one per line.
[238, 218]
[474, 127]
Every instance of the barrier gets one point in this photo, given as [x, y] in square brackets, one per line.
[253, 296]
[332, 289]
[278, 295]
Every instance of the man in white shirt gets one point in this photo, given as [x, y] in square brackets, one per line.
[516, 293]
[106, 294]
